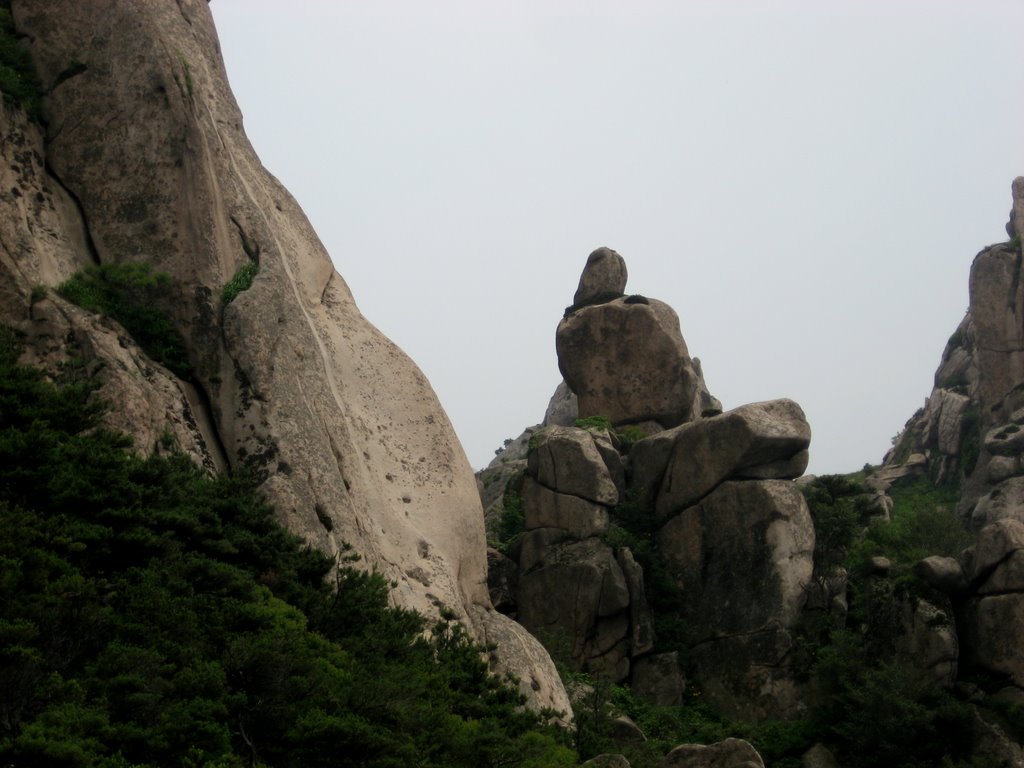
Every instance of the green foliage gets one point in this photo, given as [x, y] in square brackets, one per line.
[970, 441]
[957, 339]
[629, 436]
[242, 281]
[957, 382]
[136, 297]
[151, 615]
[18, 81]
[512, 520]
[878, 712]
[923, 523]
[594, 422]
[839, 507]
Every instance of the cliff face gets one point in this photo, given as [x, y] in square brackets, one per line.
[969, 430]
[143, 159]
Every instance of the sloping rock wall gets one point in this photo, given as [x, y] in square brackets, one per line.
[144, 159]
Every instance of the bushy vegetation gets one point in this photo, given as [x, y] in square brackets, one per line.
[511, 519]
[594, 422]
[873, 707]
[18, 81]
[153, 616]
[136, 297]
[241, 281]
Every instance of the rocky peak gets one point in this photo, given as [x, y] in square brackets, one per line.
[967, 431]
[644, 473]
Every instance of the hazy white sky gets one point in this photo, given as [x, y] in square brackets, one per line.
[806, 183]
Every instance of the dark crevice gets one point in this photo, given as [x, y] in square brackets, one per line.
[90, 244]
[74, 70]
[206, 405]
[184, 15]
[251, 247]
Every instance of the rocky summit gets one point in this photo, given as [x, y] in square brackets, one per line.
[652, 467]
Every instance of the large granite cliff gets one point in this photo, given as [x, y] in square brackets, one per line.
[140, 156]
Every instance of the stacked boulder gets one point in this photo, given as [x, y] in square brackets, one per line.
[986, 586]
[738, 540]
[575, 591]
[731, 527]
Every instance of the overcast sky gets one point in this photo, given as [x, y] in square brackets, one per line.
[806, 183]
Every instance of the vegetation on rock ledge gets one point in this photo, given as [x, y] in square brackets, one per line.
[136, 297]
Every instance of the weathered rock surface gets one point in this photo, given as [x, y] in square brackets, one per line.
[145, 159]
[657, 679]
[563, 408]
[626, 360]
[603, 278]
[1005, 500]
[942, 573]
[544, 508]
[763, 524]
[742, 560]
[577, 595]
[992, 618]
[928, 642]
[767, 440]
[520, 654]
[731, 753]
[568, 460]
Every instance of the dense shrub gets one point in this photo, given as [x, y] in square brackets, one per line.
[151, 615]
[241, 281]
[136, 297]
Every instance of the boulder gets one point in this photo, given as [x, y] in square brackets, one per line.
[567, 460]
[731, 753]
[1008, 576]
[746, 440]
[819, 756]
[648, 460]
[544, 508]
[603, 278]
[942, 573]
[657, 679]
[992, 628]
[575, 595]
[1006, 439]
[1005, 501]
[518, 653]
[626, 360]
[996, 542]
[763, 524]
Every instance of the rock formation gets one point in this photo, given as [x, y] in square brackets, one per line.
[694, 489]
[143, 159]
[968, 431]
